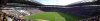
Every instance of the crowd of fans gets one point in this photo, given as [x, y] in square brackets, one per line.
[95, 18]
[11, 17]
[34, 11]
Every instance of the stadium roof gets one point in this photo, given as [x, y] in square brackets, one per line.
[25, 2]
[94, 2]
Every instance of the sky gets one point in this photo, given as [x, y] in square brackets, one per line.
[60, 2]
[57, 2]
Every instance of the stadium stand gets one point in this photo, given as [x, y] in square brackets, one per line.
[19, 14]
[33, 10]
[25, 11]
[95, 18]
[14, 15]
[11, 17]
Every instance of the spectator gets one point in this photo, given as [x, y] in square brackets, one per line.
[9, 19]
[0, 17]
[15, 18]
[4, 17]
[19, 19]
[27, 19]
[22, 19]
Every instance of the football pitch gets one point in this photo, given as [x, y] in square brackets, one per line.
[54, 16]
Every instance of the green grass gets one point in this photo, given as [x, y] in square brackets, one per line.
[71, 17]
[47, 16]
[55, 16]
